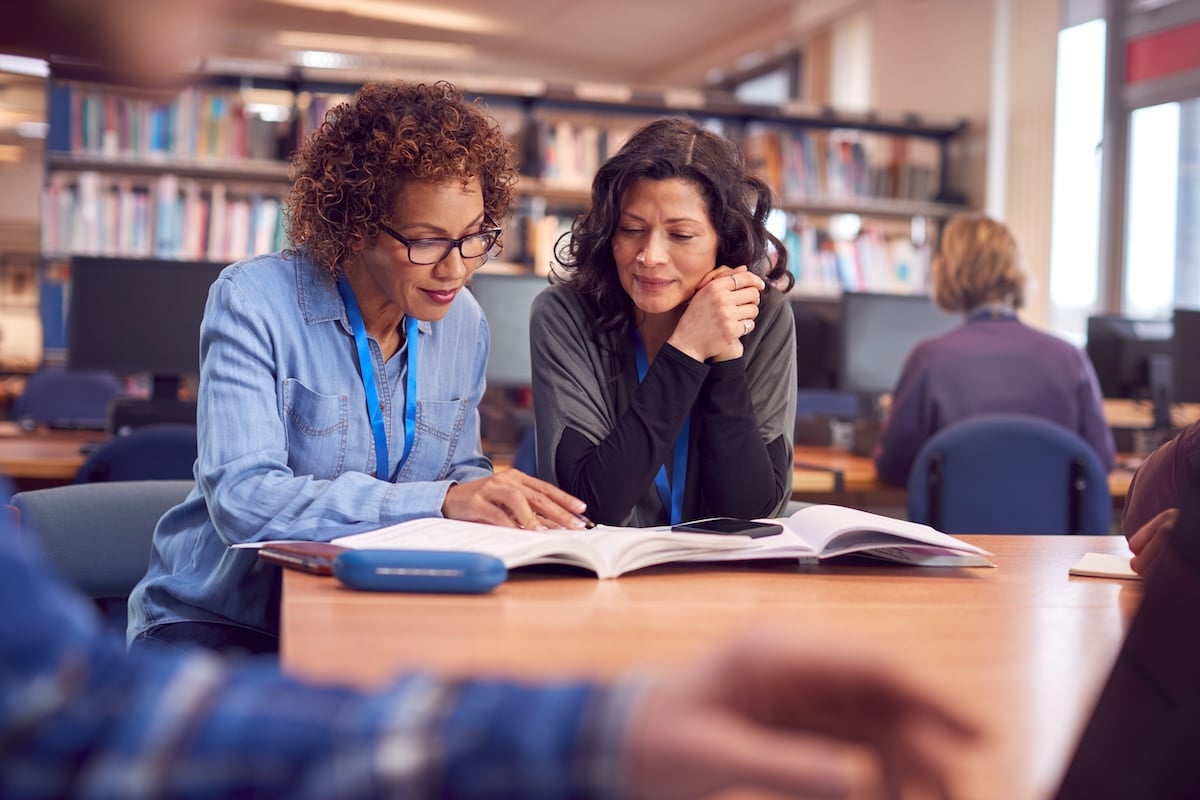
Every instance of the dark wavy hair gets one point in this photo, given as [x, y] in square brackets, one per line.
[737, 202]
[347, 175]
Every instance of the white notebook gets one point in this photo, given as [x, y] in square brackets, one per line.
[1104, 565]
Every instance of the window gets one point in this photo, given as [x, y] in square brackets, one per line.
[1162, 256]
[1075, 204]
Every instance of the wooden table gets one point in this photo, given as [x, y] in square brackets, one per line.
[1022, 649]
[35, 459]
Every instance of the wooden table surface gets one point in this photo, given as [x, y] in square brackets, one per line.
[49, 457]
[1022, 648]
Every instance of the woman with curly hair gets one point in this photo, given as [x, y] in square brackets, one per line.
[993, 363]
[664, 359]
[340, 379]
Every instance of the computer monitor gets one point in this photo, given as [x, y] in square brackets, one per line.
[1132, 359]
[505, 300]
[128, 315]
[879, 331]
[818, 320]
[1185, 356]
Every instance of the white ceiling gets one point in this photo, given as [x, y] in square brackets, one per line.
[640, 42]
[663, 43]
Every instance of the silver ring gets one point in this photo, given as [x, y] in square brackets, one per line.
[747, 325]
[735, 283]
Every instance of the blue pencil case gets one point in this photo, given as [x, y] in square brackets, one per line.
[419, 571]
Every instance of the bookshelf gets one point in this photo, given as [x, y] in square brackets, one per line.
[200, 172]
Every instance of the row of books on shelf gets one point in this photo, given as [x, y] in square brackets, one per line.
[195, 124]
[530, 237]
[822, 264]
[566, 152]
[871, 261]
[169, 218]
[94, 213]
[801, 164]
[311, 109]
[563, 148]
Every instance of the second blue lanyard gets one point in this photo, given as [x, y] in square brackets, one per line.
[366, 366]
[669, 491]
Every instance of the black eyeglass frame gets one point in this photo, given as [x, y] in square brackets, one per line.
[450, 245]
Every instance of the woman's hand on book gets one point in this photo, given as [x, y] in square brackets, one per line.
[514, 500]
[797, 717]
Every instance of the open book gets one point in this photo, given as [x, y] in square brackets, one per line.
[812, 533]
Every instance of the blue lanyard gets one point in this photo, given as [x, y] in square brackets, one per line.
[670, 492]
[367, 366]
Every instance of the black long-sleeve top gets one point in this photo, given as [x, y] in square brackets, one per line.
[603, 437]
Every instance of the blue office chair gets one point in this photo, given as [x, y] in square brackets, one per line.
[99, 535]
[64, 398]
[1009, 473]
[164, 451]
[525, 457]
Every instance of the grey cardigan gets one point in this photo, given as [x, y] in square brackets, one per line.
[602, 436]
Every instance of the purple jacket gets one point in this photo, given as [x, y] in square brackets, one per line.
[990, 365]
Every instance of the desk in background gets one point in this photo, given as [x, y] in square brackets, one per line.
[41, 458]
[829, 475]
[1022, 649]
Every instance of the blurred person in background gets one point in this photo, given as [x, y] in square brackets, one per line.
[993, 363]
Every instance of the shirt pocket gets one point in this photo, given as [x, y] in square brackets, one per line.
[439, 426]
[317, 428]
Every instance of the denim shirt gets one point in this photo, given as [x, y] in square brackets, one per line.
[79, 718]
[285, 442]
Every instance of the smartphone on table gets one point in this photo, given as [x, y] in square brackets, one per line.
[730, 526]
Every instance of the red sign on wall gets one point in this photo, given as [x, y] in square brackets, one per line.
[1163, 53]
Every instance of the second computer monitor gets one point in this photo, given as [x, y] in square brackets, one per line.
[1129, 354]
[1185, 356]
[505, 300]
[129, 315]
[878, 332]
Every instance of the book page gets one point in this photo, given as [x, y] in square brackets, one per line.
[513, 546]
[606, 550]
[785, 544]
[836, 530]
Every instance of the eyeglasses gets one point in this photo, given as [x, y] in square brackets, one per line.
[424, 252]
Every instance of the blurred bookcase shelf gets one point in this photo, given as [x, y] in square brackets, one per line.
[873, 207]
[199, 171]
[249, 170]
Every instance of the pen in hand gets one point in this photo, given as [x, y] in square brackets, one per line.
[586, 523]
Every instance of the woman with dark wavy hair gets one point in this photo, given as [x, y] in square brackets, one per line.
[339, 380]
[664, 358]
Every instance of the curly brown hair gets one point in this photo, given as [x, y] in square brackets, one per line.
[738, 203]
[347, 175]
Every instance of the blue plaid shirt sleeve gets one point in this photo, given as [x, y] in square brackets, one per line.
[80, 718]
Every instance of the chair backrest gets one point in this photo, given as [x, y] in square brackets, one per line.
[98, 535]
[65, 398]
[154, 452]
[1009, 473]
[525, 457]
